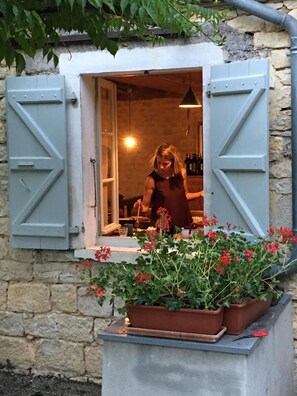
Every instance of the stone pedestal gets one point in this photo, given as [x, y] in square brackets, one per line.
[146, 366]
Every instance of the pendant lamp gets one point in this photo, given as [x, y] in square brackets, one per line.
[190, 100]
[129, 140]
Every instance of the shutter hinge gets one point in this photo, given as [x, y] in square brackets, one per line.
[71, 98]
[74, 230]
[208, 92]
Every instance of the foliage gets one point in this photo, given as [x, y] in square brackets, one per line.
[206, 271]
[30, 25]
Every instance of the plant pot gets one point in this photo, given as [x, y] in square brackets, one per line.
[185, 320]
[239, 316]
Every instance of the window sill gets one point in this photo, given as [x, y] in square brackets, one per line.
[122, 249]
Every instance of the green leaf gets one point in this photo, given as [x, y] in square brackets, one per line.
[96, 3]
[20, 62]
[124, 4]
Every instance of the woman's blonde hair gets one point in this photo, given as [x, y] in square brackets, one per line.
[170, 153]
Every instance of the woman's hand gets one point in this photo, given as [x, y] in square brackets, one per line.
[137, 204]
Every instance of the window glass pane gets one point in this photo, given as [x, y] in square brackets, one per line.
[106, 113]
[107, 157]
[108, 203]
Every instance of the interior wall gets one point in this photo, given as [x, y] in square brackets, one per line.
[152, 122]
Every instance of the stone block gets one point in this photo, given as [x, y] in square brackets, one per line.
[3, 109]
[281, 186]
[14, 271]
[280, 59]
[89, 306]
[64, 298]
[281, 121]
[3, 153]
[4, 226]
[56, 272]
[60, 357]
[5, 71]
[66, 327]
[281, 169]
[3, 247]
[272, 40]
[247, 24]
[94, 361]
[275, 148]
[2, 88]
[290, 4]
[284, 95]
[293, 13]
[100, 325]
[28, 297]
[11, 324]
[21, 255]
[18, 351]
[284, 76]
[3, 132]
[3, 295]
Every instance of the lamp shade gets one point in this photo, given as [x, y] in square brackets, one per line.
[190, 100]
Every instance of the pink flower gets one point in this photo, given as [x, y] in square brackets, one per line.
[273, 247]
[150, 246]
[249, 254]
[208, 221]
[141, 277]
[103, 253]
[99, 292]
[163, 222]
[225, 259]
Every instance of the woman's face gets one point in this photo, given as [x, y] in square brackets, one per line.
[164, 166]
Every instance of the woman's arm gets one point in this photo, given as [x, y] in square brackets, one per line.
[145, 203]
[190, 195]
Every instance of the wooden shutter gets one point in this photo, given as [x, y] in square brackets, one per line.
[239, 144]
[38, 191]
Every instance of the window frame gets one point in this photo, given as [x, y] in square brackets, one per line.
[79, 72]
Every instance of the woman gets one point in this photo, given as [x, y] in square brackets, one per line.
[166, 186]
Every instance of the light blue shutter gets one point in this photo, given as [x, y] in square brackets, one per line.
[38, 191]
[239, 144]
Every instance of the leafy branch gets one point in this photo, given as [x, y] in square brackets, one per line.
[27, 26]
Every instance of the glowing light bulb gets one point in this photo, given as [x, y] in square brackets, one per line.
[130, 142]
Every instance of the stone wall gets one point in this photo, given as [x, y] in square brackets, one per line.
[47, 324]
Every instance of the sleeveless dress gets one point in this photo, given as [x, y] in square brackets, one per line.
[170, 194]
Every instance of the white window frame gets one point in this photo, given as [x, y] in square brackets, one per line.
[79, 71]
[112, 179]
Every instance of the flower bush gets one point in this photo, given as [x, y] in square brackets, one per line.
[206, 271]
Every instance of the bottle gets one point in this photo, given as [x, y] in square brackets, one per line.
[194, 164]
[201, 165]
[187, 163]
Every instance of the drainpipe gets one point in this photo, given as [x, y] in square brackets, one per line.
[290, 24]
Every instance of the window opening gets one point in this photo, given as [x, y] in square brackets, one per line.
[157, 118]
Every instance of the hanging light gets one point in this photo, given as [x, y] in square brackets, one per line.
[190, 100]
[129, 141]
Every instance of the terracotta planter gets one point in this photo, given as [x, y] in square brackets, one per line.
[185, 320]
[239, 316]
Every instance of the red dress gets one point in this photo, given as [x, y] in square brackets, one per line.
[170, 194]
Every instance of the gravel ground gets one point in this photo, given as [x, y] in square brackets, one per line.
[12, 384]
